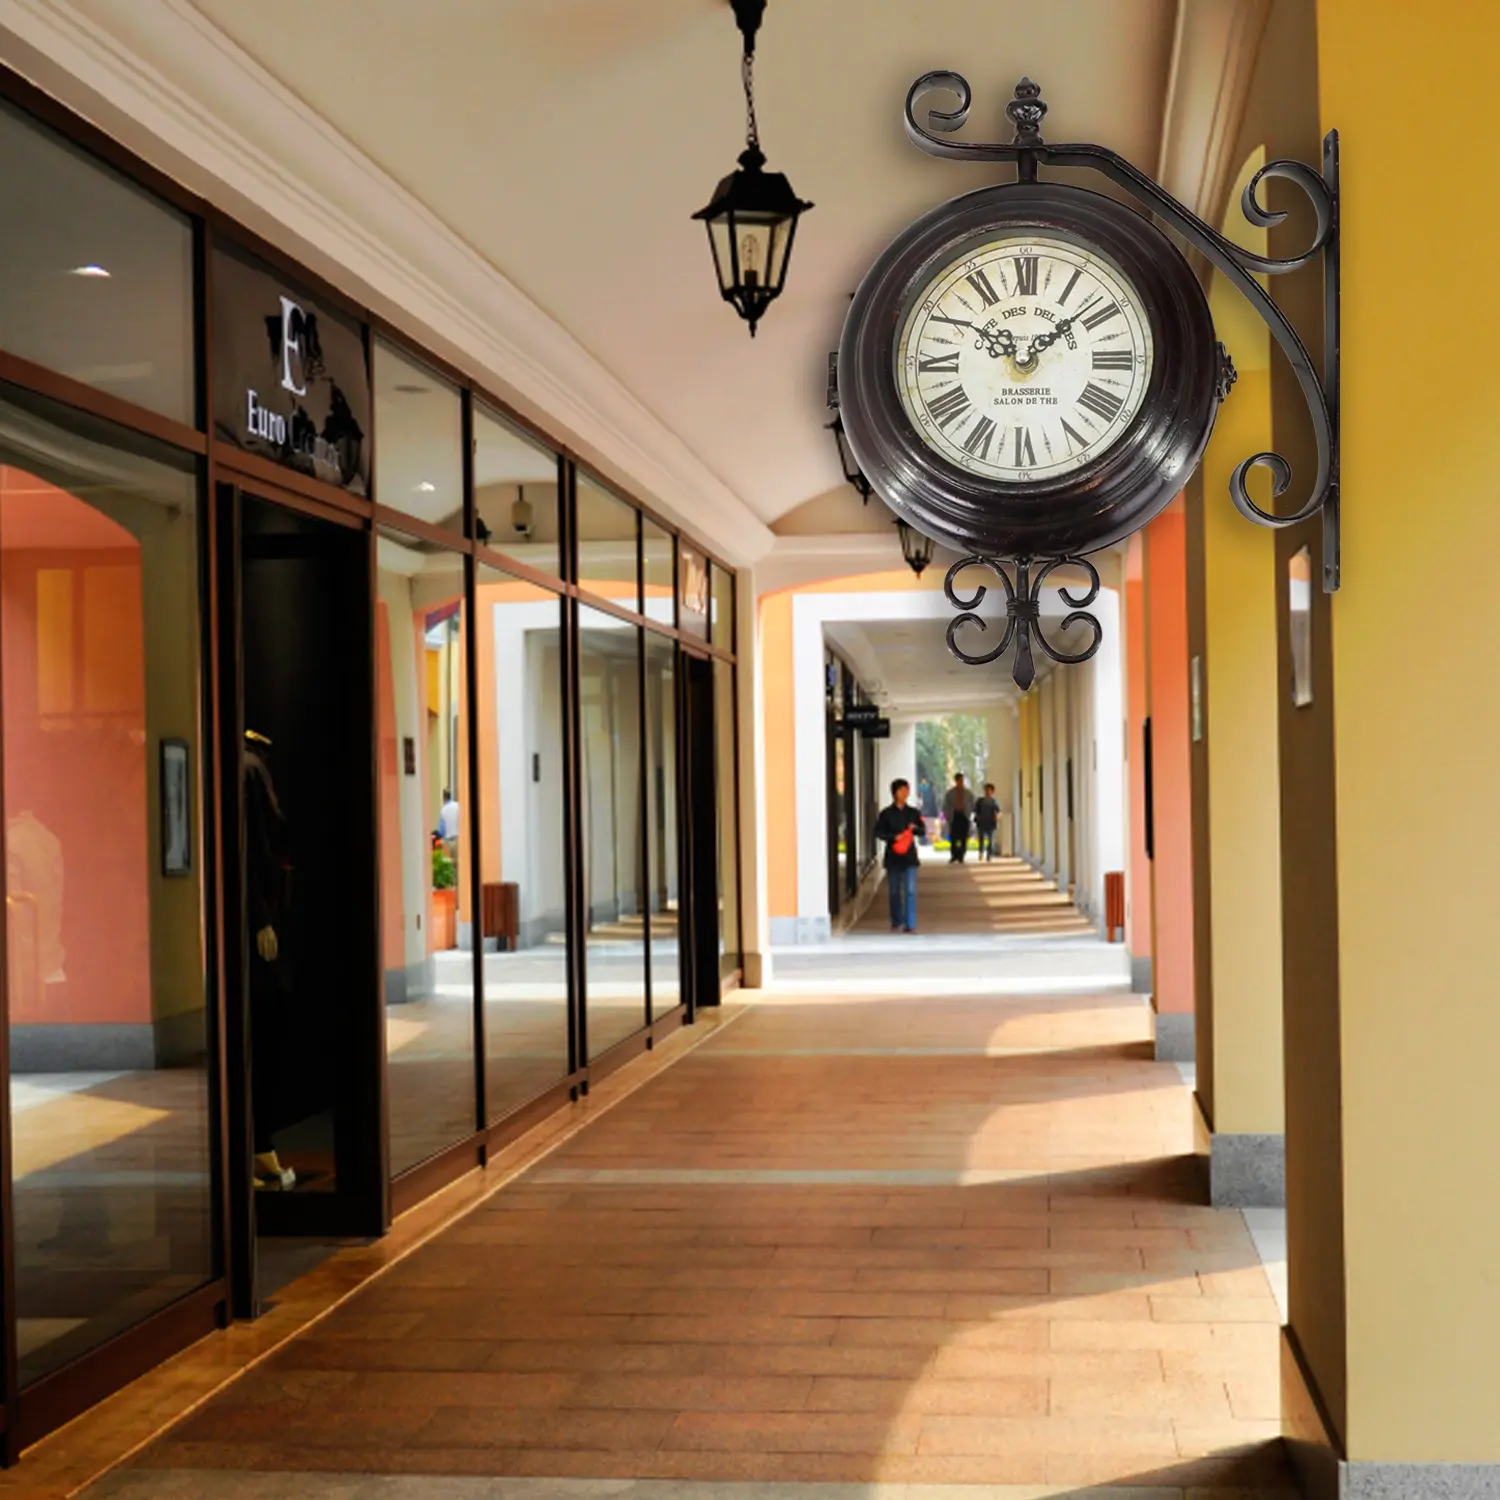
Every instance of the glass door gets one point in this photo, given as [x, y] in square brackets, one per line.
[304, 1001]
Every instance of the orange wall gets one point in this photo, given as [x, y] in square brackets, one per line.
[1167, 658]
[1136, 709]
[781, 753]
[76, 754]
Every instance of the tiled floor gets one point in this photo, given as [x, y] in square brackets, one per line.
[983, 896]
[910, 1241]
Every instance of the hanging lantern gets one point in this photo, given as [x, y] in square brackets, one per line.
[853, 474]
[752, 217]
[915, 548]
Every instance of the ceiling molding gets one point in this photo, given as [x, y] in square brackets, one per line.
[162, 78]
[1214, 51]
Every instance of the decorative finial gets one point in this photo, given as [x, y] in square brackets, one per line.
[1026, 111]
[1227, 374]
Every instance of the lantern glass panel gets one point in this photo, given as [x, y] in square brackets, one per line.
[755, 235]
[721, 238]
[781, 244]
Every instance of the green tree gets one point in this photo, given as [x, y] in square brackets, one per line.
[970, 739]
[934, 751]
[955, 742]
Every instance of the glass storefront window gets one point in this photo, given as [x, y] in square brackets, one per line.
[96, 277]
[658, 573]
[729, 848]
[606, 544]
[515, 493]
[109, 1079]
[609, 716]
[418, 441]
[661, 821]
[692, 589]
[721, 608]
[522, 852]
[426, 855]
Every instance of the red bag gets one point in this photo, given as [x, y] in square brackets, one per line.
[901, 844]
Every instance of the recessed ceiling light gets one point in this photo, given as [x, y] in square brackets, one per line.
[89, 271]
[427, 488]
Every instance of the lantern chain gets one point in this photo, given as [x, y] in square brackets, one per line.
[747, 76]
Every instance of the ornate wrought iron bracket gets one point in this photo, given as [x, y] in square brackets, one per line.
[1320, 390]
[1023, 613]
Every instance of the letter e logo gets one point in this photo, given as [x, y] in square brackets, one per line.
[293, 326]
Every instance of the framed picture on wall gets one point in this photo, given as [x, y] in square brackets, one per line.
[1299, 605]
[176, 809]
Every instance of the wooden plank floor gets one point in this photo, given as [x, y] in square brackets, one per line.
[817, 1249]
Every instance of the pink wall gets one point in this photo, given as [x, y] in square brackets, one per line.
[76, 758]
[1172, 873]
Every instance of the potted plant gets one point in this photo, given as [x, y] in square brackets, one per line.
[443, 923]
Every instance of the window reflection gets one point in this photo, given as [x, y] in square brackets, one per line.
[419, 442]
[610, 742]
[515, 493]
[661, 820]
[521, 846]
[108, 1066]
[658, 573]
[729, 849]
[98, 281]
[606, 544]
[426, 905]
[721, 608]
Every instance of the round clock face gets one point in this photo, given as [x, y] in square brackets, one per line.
[1024, 360]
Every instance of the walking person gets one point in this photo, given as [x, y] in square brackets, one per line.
[898, 826]
[958, 808]
[986, 820]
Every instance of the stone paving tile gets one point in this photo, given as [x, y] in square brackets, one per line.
[780, 1265]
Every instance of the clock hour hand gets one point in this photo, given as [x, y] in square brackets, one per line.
[998, 341]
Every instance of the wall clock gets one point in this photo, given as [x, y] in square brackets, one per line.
[1029, 370]
[1029, 373]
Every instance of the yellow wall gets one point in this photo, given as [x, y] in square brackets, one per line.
[1243, 678]
[1417, 725]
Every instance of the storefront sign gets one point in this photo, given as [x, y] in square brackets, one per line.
[858, 715]
[290, 380]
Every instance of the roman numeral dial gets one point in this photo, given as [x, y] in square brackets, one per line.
[1023, 360]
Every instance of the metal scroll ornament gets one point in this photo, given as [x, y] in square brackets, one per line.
[1023, 577]
[1023, 614]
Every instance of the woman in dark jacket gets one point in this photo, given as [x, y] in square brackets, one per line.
[900, 826]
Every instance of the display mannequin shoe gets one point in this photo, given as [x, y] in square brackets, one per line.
[270, 1174]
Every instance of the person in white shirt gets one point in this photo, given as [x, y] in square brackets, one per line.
[448, 818]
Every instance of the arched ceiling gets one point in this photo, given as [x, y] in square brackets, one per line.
[568, 141]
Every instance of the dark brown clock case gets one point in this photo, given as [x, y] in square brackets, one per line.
[1064, 515]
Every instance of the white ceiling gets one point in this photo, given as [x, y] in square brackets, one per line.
[913, 671]
[569, 141]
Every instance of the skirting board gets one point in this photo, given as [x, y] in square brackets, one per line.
[1247, 1171]
[1176, 1039]
[86, 1047]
